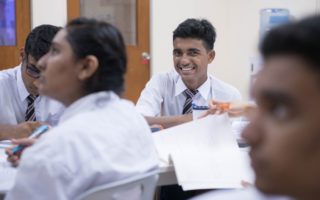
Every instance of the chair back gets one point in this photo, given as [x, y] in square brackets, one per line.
[140, 187]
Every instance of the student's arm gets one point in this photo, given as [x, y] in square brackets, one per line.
[17, 131]
[151, 97]
[169, 121]
[151, 100]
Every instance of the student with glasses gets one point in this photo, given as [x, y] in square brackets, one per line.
[22, 109]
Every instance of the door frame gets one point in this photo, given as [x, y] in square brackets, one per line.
[137, 82]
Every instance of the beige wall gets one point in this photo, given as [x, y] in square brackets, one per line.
[48, 12]
[237, 24]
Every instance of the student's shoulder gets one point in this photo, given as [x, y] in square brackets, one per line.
[8, 80]
[221, 85]
[225, 89]
[9, 75]
[163, 80]
[168, 76]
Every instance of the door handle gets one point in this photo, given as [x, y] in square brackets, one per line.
[145, 57]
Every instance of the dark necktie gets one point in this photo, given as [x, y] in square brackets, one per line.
[187, 107]
[30, 114]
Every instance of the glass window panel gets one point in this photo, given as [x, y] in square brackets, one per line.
[7, 23]
[120, 13]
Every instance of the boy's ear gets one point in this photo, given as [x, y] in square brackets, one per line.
[211, 54]
[89, 66]
[22, 54]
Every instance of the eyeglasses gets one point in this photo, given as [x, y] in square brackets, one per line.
[32, 71]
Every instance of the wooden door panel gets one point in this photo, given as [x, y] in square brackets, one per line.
[138, 72]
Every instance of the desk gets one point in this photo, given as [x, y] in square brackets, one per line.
[167, 175]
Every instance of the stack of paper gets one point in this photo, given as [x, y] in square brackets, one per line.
[204, 153]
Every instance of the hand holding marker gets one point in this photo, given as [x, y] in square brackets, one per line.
[40, 130]
[234, 109]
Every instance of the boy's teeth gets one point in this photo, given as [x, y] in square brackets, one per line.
[186, 69]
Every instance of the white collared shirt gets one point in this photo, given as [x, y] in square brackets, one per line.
[99, 139]
[246, 194]
[13, 101]
[163, 94]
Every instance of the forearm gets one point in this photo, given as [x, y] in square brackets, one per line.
[169, 121]
[8, 131]
[22, 130]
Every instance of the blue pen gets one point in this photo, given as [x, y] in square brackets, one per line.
[41, 129]
[196, 107]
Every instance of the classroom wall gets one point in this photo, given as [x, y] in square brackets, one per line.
[237, 24]
[48, 12]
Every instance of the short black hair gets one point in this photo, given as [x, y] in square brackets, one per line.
[105, 42]
[39, 40]
[300, 38]
[197, 28]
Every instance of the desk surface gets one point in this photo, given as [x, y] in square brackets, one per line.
[7, 173]
[167, 174]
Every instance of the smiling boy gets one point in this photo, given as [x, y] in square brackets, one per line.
[167, 98]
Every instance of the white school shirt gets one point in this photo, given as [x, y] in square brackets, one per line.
[246, 194]
[163, 94]
[99, 139]
[13, 101]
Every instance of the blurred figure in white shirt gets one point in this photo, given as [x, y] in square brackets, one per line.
[284, 132]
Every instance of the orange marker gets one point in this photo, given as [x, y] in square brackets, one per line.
[224, 106]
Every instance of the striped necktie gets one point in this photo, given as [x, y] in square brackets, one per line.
[187, 107]
[30, 114]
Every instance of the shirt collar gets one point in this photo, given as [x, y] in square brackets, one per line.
[22, 90]
[203, 90]
[88, 102]
[179, 87]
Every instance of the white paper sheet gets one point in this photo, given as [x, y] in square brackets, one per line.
[5, 144]
[204, 152]
[7, 173]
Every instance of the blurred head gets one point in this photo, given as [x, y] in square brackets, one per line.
[193, 42]
[86, 56]
[284, 133]
[37, 44]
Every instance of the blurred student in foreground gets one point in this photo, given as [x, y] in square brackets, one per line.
[284, 133]
[100, 138]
